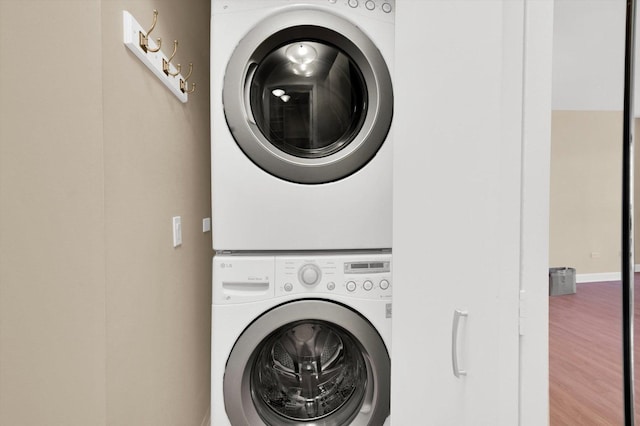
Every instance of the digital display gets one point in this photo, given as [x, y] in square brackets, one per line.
[360, 267]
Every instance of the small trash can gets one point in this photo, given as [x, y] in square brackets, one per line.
[562, 281]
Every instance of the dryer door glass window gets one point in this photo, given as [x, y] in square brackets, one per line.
[307, 371]
[307, 96]
[309, 99]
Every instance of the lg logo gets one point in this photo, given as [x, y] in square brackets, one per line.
[226, 265]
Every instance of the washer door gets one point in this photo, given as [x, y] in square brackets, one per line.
[311, 362]
[308, 96]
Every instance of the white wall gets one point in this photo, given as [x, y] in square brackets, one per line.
[588, 86]
[588, 55]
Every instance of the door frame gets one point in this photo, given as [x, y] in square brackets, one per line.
[536, 146]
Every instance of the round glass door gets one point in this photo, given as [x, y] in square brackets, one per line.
[308, 370]
[308, 97]
[311, 362]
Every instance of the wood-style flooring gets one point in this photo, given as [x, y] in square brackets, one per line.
[585, 356]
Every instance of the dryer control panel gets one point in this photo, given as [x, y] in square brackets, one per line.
[241, 278]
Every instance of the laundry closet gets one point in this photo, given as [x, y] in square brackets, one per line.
[404, 246]
[457, 288]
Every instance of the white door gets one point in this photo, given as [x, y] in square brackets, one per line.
[458, 210]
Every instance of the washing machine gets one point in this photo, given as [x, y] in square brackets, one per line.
[301, 113]
[301, 339]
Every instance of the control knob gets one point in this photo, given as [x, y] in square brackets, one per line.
[309, 274]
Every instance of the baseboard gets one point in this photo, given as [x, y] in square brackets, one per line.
[598, 277]
[207, 418]
[601, 276]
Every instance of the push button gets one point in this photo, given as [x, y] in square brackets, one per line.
[370, 5]
[353, 3]
[351, 286]
[384, 284]
[386, 7]
[367, 285]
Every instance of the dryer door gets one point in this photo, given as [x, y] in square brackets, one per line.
[308, 96]
[309, 361]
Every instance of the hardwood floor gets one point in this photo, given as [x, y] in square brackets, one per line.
[585, 356]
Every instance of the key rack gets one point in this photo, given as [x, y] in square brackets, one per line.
[149, 52]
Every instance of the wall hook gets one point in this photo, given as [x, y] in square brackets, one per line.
[132, 33]
[183, 83]
[193, 88]
[144, 39]
[166, 62]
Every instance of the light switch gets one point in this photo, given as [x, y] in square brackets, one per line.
[206, 224]
[177, 231]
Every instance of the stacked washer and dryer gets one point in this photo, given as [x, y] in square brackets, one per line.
[302, 104]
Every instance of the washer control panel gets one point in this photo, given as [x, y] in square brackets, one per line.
[245, 278]
[362, 275]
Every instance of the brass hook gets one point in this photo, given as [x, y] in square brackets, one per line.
[183, 83]
[144, 39]
[190, 71]
[166, 62]
[193, 88]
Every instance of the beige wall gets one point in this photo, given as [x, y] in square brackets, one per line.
[585, 190]
[586, 164]
[102, 321]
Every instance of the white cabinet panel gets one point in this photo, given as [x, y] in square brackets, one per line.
[457, 210]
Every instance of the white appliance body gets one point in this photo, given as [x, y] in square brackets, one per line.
[283, 186]
[257, 299]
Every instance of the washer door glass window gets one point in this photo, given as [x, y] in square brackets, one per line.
[307, 96]
[308, 370]
[311, 362]
[309, 99]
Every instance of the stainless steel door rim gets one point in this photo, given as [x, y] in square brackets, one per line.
[370, 407]
[314, 26]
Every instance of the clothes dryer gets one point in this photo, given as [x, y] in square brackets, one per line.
[302, 105]
[301, 340]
